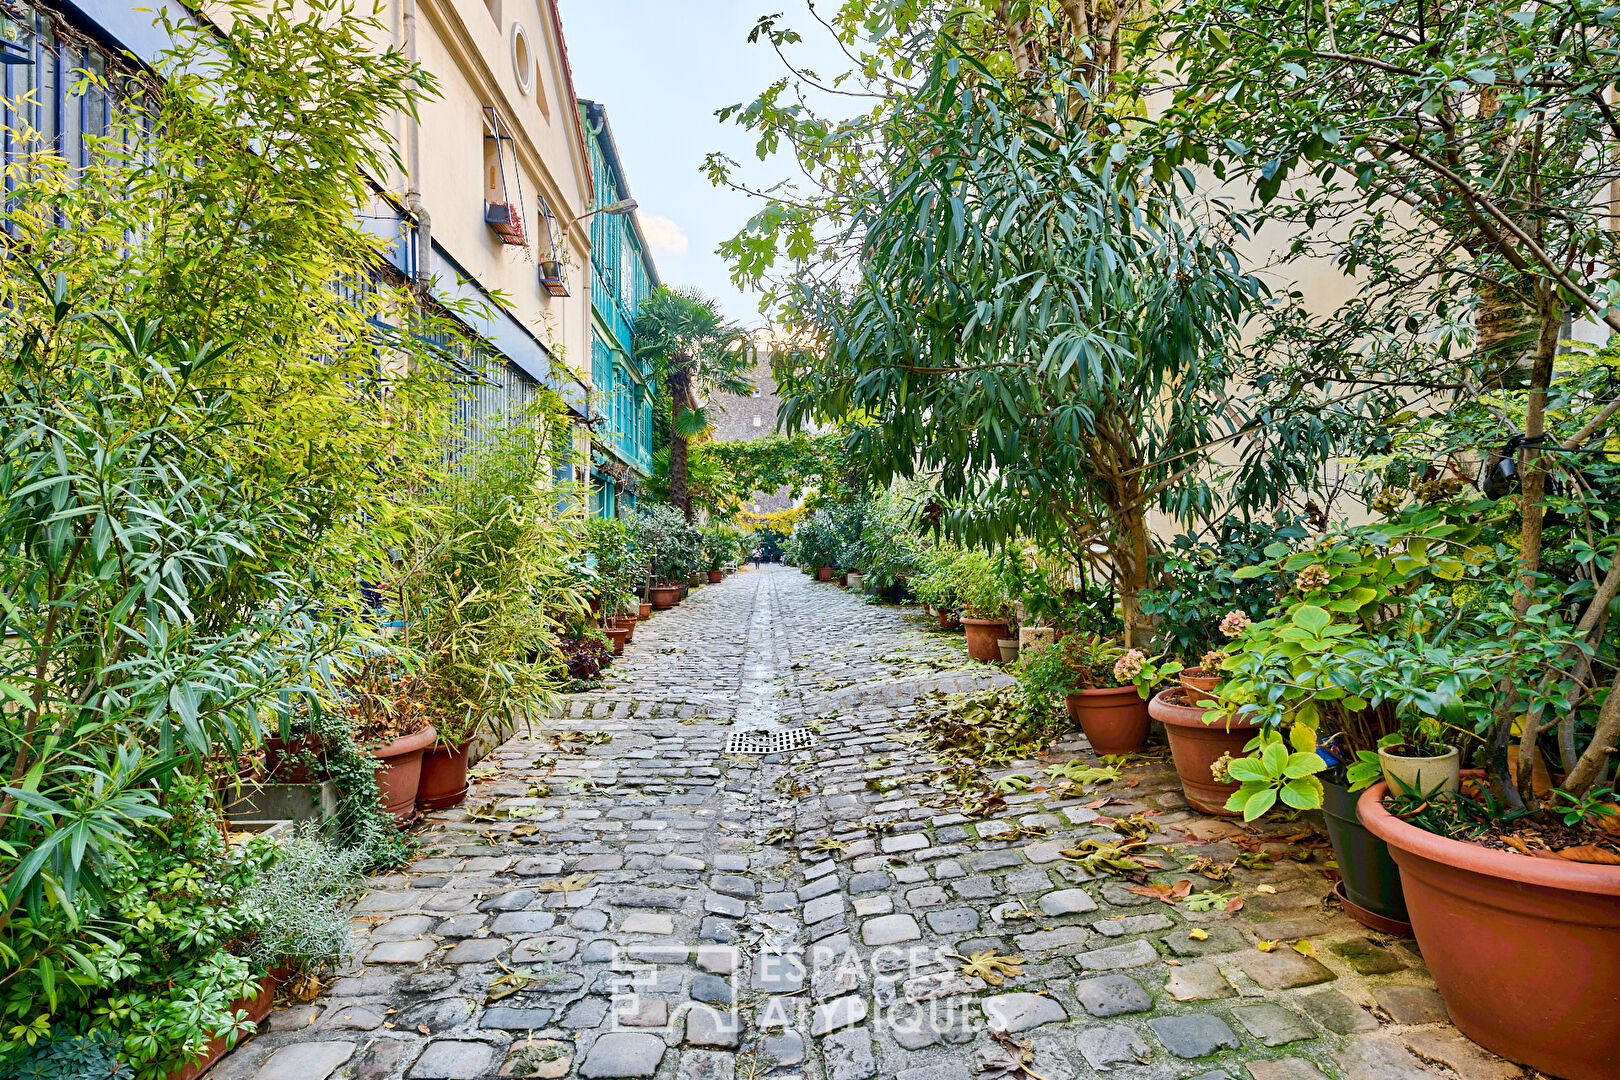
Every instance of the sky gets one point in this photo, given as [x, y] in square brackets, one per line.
[661, 68]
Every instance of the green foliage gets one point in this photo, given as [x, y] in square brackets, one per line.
[617, 571]
[154, 962]
[1273, 771]
[1195, 584]
[1073, 663]
[298, 901]
[935, 581]
[980, 587]
[665, 542]
[892, 548]
[74, 1057]
[488, 586]
[817, 541]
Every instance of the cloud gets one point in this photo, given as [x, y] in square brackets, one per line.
[663, 235]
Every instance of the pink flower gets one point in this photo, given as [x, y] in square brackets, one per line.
[1313, 578]
[1129, 666]
[1234, 623]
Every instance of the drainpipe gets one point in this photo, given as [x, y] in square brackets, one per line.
[413, 158]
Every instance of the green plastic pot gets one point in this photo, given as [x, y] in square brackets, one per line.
[1370, 877]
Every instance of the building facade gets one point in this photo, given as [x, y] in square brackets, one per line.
[739, 419]
[487, 207]
[622, 274]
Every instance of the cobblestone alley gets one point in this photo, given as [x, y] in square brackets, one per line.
[620, 897]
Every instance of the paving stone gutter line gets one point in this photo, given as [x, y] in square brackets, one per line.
[652, 907]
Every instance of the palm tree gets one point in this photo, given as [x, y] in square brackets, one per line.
[697, 352]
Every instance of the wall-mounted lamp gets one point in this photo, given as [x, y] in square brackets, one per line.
[622, 206]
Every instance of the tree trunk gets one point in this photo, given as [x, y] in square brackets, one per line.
[1132, 553]
[679, 393]
[1533, 469]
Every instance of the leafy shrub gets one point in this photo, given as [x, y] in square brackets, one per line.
[297, 899]
[75, 1057]
[891, 546]
[980, 588]
[586, 657]
[1195, 584]
[618, 569]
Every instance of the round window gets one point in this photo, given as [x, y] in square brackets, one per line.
[522, 62]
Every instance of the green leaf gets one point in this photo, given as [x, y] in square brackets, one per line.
[1259, 803]
[1311, 618]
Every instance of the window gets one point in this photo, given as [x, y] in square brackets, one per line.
[757, 422]
[522, 62]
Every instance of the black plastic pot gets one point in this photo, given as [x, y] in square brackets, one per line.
[897, 593]
[1370, 877]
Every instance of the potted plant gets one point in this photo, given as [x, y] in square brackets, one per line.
[388, 706]
[1097, 681]
[1522, 937]
[986, 607]
[935, 583]
[716, 549]
[661, 537]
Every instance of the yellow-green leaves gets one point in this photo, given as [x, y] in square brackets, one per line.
[1278, 771]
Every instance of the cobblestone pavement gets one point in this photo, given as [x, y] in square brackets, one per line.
[624, 899]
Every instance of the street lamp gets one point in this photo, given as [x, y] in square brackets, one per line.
[622, 206]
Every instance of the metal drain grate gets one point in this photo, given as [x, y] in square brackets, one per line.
[768, 742]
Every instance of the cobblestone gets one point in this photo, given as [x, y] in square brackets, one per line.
[784, 914]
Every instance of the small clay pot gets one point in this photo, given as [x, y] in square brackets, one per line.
[948, 620]
[645, 612]
[625, 622]
[716, 576]
[616, 634]
[824, 573]
[982, 635]
[1198, 685]
[1115, 719]
[1421, 775]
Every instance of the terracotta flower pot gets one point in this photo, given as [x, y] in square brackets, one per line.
[257, 1008]
[1198, 686]
[400, 774]
[843, 579]
[824, 573]
[1421, 775]
[1115, 720]
[664, 597]
[716, 576]
[1525, 951]
[444, 777]
[287, 762]
[982, 635]
[626, 622]
[1196, 746]
[948, 619]
[616, 634]
[645, 612]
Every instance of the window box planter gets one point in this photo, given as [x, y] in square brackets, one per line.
[504, 223]
[1525, 951]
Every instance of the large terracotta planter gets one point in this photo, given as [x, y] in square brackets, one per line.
[982, 635]
[400, 774]
[1525, 951]
[1115, 720]
[616, 634]
[1196, 746]
[444, 777]
[716, 576]
[824, 573]
[625, 622]
[664, 597]
[287, 762]
[257, 1008]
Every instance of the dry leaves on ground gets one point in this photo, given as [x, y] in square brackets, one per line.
[993, 969]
